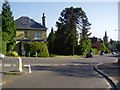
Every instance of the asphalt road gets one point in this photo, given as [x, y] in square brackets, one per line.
[59, 73]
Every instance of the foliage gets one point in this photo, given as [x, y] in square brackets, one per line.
[51, 42]
[105, 49]
[84, 47]
[8, 27]
[67, 35]
[118, 46]
[38, 47]
[3, 47]
[52, 55]
[14, 54]
[95, 51]
[97, 46]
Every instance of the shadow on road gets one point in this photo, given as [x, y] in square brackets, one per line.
[117, 56]
[89, 63]
[69, 70]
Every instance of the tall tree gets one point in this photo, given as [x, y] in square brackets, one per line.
[118, 46]
[8, 28]
[51, 41]
[66, 35]
[84, 26]
[70, 20]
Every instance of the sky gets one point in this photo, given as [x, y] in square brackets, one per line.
[103, 16]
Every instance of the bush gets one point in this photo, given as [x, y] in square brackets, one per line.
[39, 47]
[14, 54]
[83, 47]
[52, 55]
[95, 51]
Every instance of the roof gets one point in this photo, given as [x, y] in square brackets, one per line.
[27, 23]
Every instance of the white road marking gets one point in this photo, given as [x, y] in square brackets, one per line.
[47, 64]
[116, 59]
[7, 65]
[14, 65]
[30, 71]
[54, 64]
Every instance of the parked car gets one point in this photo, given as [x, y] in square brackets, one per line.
[2, 56]
[113, 53]
[102, 53]
[89, 54]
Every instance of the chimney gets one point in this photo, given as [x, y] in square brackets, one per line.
[43, 19]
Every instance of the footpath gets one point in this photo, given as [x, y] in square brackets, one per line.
[112, 72]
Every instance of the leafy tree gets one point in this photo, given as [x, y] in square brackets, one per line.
[98, 46]
[67, 35]
[105, 49]
[84, 47]
[8, 28]
[51, 42]
[118, 46]
[107, 44]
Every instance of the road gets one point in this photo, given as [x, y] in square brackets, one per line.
[59, 73]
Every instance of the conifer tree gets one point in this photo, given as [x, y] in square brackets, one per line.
[69, 22]
[8, 28]
[51, 41]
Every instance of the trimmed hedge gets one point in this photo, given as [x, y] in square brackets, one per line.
[39, 47]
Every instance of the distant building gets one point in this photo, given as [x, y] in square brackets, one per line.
[28, 30]
[95, 40]
[105, 38]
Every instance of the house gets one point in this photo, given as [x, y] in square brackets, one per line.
[28, 30]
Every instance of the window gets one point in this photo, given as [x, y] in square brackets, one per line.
[37, 35]
[25, 35]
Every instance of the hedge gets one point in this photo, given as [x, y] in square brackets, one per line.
[39, 47]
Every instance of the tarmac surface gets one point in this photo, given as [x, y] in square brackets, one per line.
[108, 67]
[111, 70]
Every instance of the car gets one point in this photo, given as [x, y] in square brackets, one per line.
[113, 53]
[2, 56]
[102, 53]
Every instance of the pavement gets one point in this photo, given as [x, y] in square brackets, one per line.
[111, 71]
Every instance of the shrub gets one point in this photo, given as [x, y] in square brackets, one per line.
[39, 47]
[95, 51]
[84, 47]
[52, 55]
[98, 46]
[14, 54]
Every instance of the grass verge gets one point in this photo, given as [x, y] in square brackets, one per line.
[11, 73]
